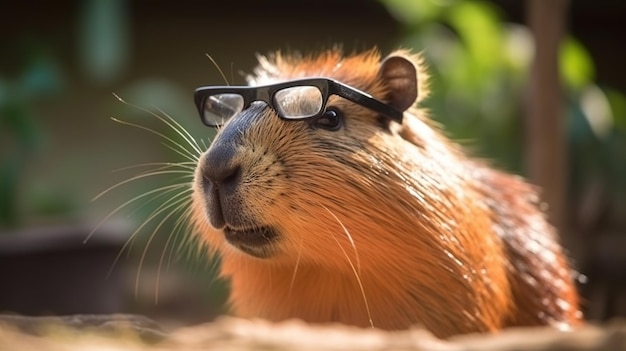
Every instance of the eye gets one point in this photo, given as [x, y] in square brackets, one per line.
[331, 120]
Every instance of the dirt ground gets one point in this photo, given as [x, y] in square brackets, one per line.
[135, 333]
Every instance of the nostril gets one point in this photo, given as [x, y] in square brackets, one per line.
[220, 163]
[222, 170]
[232, 176]
[221, 176]
[220, 184]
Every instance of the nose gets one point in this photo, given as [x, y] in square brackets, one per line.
[221, 167]
[222, 170]
[221, 176]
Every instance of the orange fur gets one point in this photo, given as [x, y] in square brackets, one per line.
[388, 228]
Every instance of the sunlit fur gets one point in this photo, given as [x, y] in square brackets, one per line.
[384, 225]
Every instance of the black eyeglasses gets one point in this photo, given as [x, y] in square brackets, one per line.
[292, 100]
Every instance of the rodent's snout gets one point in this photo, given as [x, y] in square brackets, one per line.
[221, 173]
[221, 179]
[221, 176]
[226, 177]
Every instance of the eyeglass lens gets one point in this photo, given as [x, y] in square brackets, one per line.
[298, 102]
[291, 103]
[219, 108]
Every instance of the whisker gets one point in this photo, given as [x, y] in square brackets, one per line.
[182, 222]
[187, 154]
[137, 177]
[218, 68]
[210, 263]
[354, 270]
[204, 144]
[164, 165]
[232, 71]
[158, 196]
[167, 204]
[128, 242]
[171, 200]
[120, 207]
[152, 113]
[349, 236]
[180, 225]
[180, 204]
[212, 269]
[183, 154]
[179, 129]
[295, 269]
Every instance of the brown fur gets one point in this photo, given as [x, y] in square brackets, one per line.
[387, 227]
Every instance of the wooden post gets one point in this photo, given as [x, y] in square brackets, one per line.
[546, 144]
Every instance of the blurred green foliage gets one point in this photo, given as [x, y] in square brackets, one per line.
[161, 112]
[104, 57]
[20, 132]
[104, 46]
[480, 65]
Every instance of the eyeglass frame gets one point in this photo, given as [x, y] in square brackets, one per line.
[266, 94]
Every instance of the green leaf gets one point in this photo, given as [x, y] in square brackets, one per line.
[576, 64]
[479, 27]
[416, 12]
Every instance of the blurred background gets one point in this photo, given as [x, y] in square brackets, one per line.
[61, 62]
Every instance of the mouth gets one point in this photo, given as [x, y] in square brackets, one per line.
[256, 241]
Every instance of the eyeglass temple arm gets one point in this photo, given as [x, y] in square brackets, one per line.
[366, 100]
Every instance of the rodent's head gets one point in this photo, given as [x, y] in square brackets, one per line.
[280, 189]
[431, 235]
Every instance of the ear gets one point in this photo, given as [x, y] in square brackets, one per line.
[399, 75]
